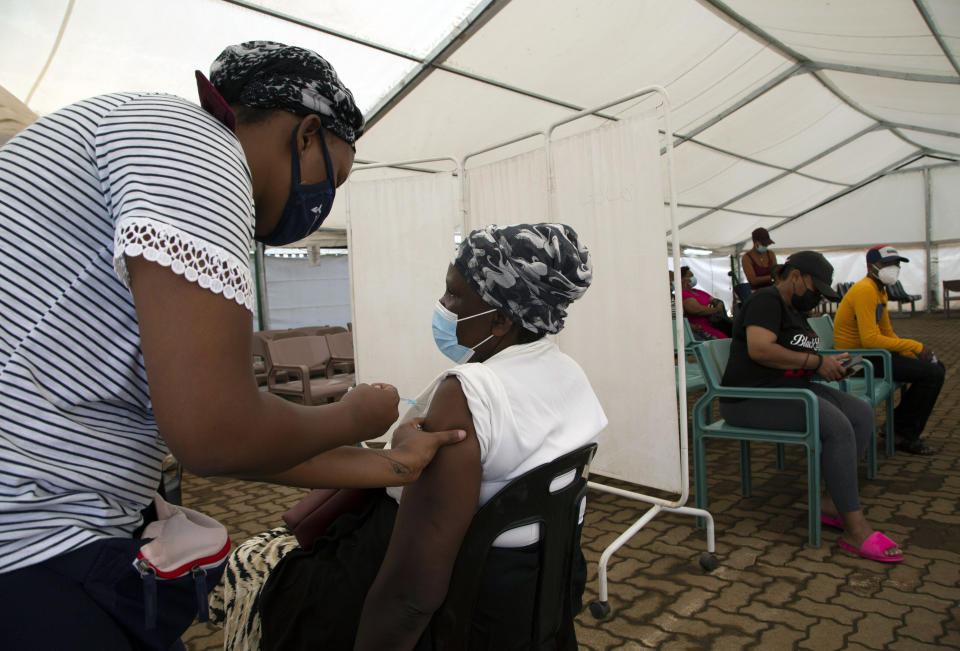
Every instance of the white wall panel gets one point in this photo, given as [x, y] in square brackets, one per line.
[936, 106]
[886, 34]
[945, 186]
[787, 196]
[608, 189]
[143, 45]
[723, 228]
[706, 177]
[510, 191]
[945, 144]
[887, 210]
[401, 242]
[864, 156]
[304, 294]
[787, 125]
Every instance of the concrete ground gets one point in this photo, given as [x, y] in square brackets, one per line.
[770, 591]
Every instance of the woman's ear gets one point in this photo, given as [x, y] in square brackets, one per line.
[310, 127]
[500, 325]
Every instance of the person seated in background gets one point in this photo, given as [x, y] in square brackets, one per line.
[774, 346]
[759, 260]
[702, 310]
[376, 576]
[862, 321]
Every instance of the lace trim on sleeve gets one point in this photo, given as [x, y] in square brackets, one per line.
[198, 261]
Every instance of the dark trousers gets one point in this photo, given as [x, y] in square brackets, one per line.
[46, 609]
[917, 400]
[846, 424]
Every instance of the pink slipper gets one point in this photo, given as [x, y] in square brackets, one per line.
[836, 522]
[873, 548]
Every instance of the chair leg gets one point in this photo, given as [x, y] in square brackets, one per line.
[813, 489]
[746, 487]
[891, 442]
[781, 457]
[872, 455]
[700, 475]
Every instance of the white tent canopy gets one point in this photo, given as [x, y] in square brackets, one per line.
[787, 114]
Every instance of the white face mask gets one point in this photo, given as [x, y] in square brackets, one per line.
[888, 275]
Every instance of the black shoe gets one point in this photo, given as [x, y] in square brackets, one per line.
[916, 446]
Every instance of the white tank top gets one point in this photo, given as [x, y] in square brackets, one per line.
[530, 404]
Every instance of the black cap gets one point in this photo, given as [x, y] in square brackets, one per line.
[820, 271]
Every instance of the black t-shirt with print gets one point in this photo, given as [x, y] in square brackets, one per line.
[767, 309]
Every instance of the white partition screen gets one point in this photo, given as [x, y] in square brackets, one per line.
[401, 241]
[607, 187]
[509, 191]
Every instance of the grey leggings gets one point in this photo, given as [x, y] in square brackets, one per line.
[846, 424]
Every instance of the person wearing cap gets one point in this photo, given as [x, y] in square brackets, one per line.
[126, 331]
[759, 260]
[862, 321]
[774, 346]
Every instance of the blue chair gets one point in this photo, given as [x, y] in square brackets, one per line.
[713, 356]
[694, 376]
[875, 390]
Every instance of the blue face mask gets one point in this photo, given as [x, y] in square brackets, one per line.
[693, 282]
[307, 205]
[445, 334]
[761, 248]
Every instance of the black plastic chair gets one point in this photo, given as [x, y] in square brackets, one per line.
[742, 291]
[896, 292]
[525, 500]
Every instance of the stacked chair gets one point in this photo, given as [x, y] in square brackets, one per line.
[896, 292]
[311, 365]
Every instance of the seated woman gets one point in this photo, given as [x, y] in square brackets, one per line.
[702, 310]
[376, 577]
[773, 346]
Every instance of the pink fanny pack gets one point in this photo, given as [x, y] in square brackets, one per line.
[182, 542]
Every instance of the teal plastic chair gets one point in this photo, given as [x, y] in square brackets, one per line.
[874, 390]
[694, 375]
[713, 356]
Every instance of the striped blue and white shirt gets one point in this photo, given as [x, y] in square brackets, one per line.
[115, 175]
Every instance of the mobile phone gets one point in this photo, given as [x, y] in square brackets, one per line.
[851, 361]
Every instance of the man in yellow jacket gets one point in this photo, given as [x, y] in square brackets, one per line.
[863, 322]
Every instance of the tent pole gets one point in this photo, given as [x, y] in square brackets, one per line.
[263, 322]
[931, 293]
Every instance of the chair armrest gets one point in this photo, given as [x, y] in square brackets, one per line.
[806, 396]
[341, 361]
[867, 375]
[302, 369]
[883, 354]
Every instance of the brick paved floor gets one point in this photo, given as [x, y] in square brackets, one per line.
[770, 590]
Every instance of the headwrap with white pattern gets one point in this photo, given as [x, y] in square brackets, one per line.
[529, 272]
[269, 75]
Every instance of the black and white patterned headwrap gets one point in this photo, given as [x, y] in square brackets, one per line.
[530, 272]
[268, 75]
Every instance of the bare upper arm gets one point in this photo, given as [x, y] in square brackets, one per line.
[196, 348]
[692, 305]
[746, 263]
[759, 339]
[436, 510]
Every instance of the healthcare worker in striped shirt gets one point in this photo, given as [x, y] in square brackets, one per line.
[125, 329]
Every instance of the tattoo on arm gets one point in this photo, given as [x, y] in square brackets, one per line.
[399, 468]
